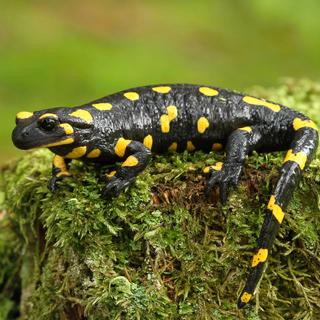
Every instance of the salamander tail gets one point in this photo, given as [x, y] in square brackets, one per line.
[302, 149]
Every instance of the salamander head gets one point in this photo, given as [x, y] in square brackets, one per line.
[50, 128]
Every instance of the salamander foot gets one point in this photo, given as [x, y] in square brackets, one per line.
[225, 178]
[114, 186]
[52, 183]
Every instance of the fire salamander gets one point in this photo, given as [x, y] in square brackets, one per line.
[130, 125]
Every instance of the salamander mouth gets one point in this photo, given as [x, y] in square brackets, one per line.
[26, 140]
[26, 145]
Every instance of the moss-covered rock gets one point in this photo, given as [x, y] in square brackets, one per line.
[160, 250]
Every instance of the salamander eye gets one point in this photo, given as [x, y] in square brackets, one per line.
[48, 124]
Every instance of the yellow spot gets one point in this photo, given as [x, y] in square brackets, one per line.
[299, 123]
[67, 128]
[217, 146]
[276, 209]
[77, 152]
[148, 141]
[247, 129]
[246, 297]
[259, 102]
[46, 115]
[206, 169]
[190, 146]
[300, 158]
[102, 106]
[260, 256]
[202, 124]
[162, 89]
[59, 143]
[172, 112]
[95, 153]
[63, 174]
[131, 96]
[217, 167]
[121, 146]
[165, 119]
[173, 147]
[82, 114]
[131, 161]
[208, 91]
[59, 162]
[165, 123]
[111, 174]
[24, 115]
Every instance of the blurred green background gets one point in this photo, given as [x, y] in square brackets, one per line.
[57, 53]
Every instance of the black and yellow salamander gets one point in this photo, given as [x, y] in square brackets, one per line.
[131, 125]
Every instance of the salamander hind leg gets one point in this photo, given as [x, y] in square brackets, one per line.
[298, 157]
[226, 175]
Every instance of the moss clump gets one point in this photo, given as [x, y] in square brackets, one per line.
[159, 250]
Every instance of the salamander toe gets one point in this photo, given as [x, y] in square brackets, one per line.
[225, 178]
[115, 186]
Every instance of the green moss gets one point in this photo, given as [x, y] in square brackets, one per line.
[160, 250]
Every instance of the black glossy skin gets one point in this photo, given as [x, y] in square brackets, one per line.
[238, 122]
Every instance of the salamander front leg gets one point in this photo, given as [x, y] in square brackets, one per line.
[59, 171]
[226, 175]
[137, 157]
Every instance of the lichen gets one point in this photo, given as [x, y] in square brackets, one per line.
[160, 250]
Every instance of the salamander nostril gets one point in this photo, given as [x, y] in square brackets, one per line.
[25, 134]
